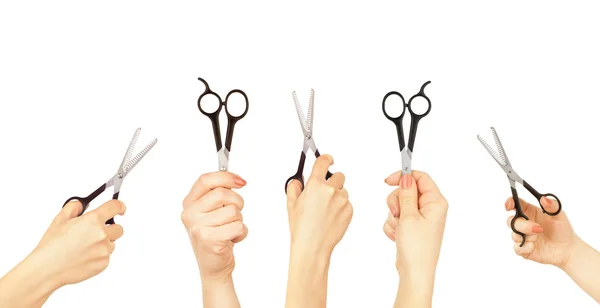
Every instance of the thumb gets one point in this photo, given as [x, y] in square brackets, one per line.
[71, 210]
[408, 196]
[294, 189]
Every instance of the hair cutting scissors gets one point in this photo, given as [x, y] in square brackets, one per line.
[502, 159]
[222, 152]
[406, 151]
[117, 180]
[309, 142]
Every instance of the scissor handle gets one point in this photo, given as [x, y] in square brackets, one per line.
[85, 201]
[415, 118]
[396, 120]
[539, 196]
[231, 119]
[298, 176]
[213, 116]
[518, 214]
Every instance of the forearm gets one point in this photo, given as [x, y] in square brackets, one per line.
[415, 291]
[307, 280]
[219, 294]
[28, 285]
[584, 268]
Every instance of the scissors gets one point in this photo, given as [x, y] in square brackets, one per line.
[513, 177]
[406, 151]
[309, 142]
[222, 152]
[117, 180]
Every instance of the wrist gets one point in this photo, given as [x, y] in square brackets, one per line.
[29, 284]
[217, 281]
[573, 258]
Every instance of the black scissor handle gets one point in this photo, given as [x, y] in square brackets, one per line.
[518, 214]
[298, 176]
[539, 196]
[415, 118]
[85, 201]
[385, 98]
[231, 119]
[213, 116]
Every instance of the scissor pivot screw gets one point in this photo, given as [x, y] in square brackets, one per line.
[120, 175]
[223, 168]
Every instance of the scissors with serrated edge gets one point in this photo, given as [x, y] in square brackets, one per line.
[406, 151]
[306, 123]
[222, 152]
[117, 180]
[502, 160]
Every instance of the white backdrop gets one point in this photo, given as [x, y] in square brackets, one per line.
[76, 79]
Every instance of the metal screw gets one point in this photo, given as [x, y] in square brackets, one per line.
[120, 175]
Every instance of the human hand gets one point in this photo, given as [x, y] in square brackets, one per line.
[78, 248]
[549, 239]
[320, 214]
[416, 223]
[213, 219]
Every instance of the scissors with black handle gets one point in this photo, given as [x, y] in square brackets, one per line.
[406, 151]
[222, 151]
[502, 160]
[117, 180]
[309, 142]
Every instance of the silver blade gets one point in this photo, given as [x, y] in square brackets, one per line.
[130, 149]
[300, 114]
[130, 164]
[501, 151]
[493, 153]
[311, 107]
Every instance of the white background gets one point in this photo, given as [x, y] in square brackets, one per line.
[76, 80]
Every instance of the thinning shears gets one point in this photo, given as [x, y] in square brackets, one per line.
[222, 152]
[513, 177]
[406, 151]
[306, 123]
[117, 180]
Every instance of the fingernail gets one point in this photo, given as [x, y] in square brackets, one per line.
[546, 201]
[406, 181]
[239, 181]
[537, 229]
[506, 204]
[393, 210]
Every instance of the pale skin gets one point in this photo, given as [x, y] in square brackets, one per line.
[213, 219]
[552, 240]
[416, 222]
[72, 250]
[318, 217]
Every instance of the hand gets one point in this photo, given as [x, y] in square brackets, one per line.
[416, 223]
[549, 239]
[213, 219]
[78, 248]
[319, 215]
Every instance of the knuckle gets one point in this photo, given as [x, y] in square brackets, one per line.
[186, 218]
[231, 211]
[220, 192]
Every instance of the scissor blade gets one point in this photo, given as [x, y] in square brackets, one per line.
[493, 153]
[132, 163]
[300, 114]
[130, 149]
[311, 107]
[501, 151]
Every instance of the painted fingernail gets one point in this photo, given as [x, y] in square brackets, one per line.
[546, 201]
[393, 210]
[506, 204]
[406, 181]
[239, 181]
[537, 229]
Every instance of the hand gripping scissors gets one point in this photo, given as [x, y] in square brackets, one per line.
[117, 180]
[309, 143]
[513, 177]
[222, 152]
[406, 151]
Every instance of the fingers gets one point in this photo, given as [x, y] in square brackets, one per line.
[69, 211]
[393, 202]
[232, 231]
[294, 189]
[216, 198]
[529, 238]
[320, 167]
[510, 204]
[525, 250]
[222, 216]
[114, 232]
[524, 226]
[210, 181]
[389, 230]
[108, 210]
[337, 180]
[424, 182]
[408, 196]
[550, 205]
[394, 178]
